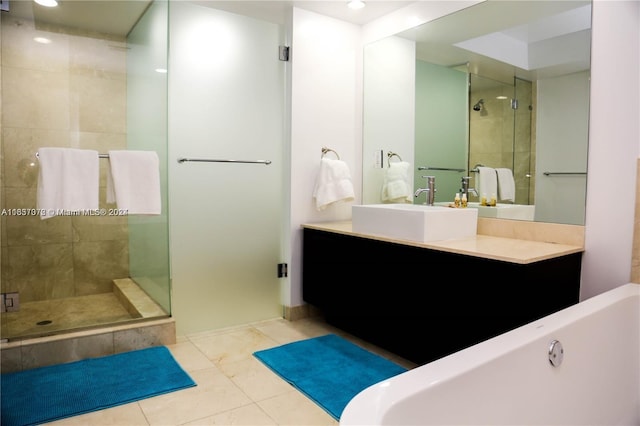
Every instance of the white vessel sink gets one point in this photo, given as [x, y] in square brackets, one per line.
[414, 222]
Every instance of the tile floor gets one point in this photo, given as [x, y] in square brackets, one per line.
[233, 387]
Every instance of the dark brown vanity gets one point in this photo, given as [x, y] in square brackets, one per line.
[425, 301]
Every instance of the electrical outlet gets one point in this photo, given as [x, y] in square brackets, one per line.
[378, 159]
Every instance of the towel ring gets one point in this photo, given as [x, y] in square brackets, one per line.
[325, 150]
[392, 154]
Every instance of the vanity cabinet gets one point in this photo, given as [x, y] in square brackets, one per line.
[423, 304]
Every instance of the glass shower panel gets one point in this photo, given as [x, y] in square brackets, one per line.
[147, 130]
[65, 83]
[227, 100]
[523, 143]
[562, 135]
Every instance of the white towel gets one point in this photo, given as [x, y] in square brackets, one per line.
[506, 185]
[68, 180]
[396, 188]
[487, 182]
[333, 183]
[133, 181]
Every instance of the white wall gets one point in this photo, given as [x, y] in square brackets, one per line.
[389, 82]
[326, 104]
[614, 145]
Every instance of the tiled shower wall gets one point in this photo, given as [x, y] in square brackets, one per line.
[70, 92]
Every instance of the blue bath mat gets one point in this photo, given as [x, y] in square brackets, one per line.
[49, 393]
[328, 369]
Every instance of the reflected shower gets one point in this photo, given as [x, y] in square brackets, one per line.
[478, 106]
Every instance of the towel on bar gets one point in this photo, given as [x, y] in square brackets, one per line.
[133, 181]
[68, 179]
[486, 182]
[396, 187]
[506, 185]
[333, 183]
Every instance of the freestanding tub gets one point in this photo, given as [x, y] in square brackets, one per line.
[510, 379]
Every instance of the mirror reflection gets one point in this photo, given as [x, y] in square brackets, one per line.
[497, 93]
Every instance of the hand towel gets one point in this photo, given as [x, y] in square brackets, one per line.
[68, 180]
[506, 185]
[333, 183]
[396, 187]
[133, 181]
[486, 182]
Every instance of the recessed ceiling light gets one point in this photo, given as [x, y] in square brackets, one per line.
[356, 4]
[501, 97]
[42, 40]
[47, 3]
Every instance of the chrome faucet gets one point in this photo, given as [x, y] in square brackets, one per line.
[430, 190]
[465, 187]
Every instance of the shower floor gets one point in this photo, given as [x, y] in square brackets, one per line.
[47, 317]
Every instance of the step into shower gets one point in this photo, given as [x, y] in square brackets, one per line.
[136, 300]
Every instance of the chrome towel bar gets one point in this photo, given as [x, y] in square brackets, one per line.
[99, 155]
[212, 160]
[446, 169]
[563, 173]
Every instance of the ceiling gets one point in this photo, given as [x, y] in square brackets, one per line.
[530, 38]
[452, 40]
[117, 17]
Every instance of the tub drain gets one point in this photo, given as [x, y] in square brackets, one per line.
[45, 322]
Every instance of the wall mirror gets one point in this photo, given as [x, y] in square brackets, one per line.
[501, 84]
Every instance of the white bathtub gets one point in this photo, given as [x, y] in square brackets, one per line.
[509, 379]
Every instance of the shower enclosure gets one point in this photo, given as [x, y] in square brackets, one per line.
[103, 81]
[81, 83]
[501, 130]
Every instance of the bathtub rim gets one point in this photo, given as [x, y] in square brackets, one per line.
[361, 411]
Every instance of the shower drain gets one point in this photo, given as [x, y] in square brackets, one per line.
[45, 322]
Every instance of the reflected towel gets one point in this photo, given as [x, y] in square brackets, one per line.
[133, 181]
[333, 183]
[396, 187]
[487, 182]
[506, 185]
[68, 180]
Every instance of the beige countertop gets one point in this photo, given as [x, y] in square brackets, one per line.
[485, 246]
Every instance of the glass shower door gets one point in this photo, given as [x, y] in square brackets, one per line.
[226, 91]
[523, 143]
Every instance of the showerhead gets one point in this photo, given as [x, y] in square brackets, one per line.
[478, 106]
